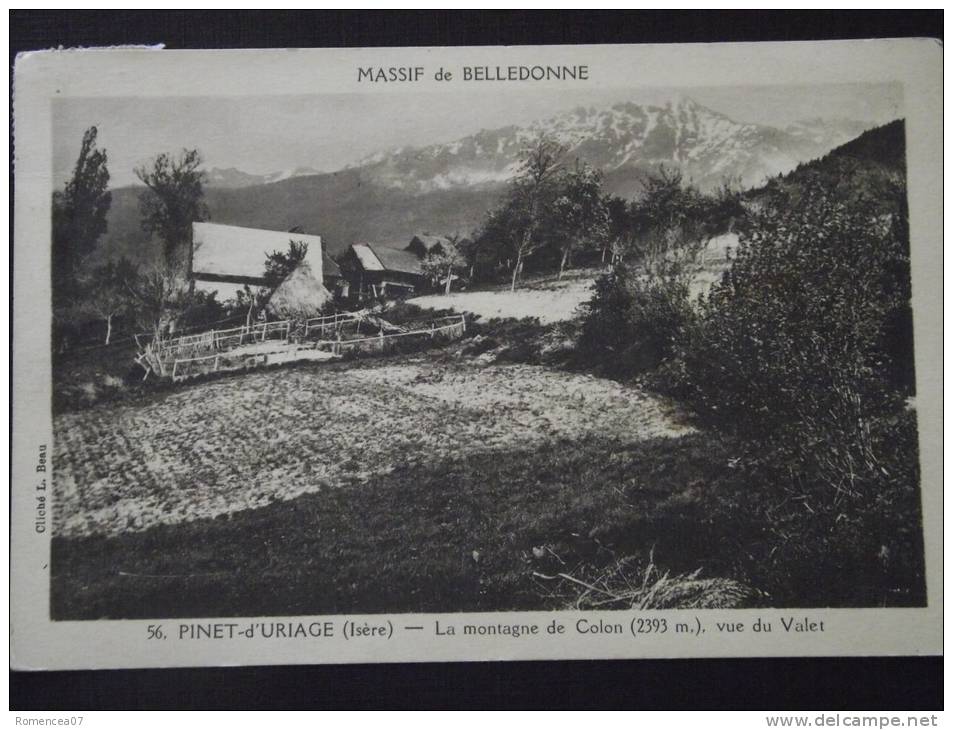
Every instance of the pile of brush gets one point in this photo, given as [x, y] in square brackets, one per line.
[627, 584]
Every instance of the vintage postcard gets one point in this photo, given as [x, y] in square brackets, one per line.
[437, 354]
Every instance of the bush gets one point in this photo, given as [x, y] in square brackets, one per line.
[633, 322]
[796, 353]
[793, 337]
[402, 313]
[205, 311]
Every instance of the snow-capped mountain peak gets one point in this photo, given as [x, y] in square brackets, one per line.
[231, 177]
[624, 140]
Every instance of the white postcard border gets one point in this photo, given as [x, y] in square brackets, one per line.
[39, 643]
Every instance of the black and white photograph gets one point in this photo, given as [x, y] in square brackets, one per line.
[449, 349]
[648, 349]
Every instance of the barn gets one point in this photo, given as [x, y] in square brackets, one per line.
[424, 244]
[372, 270]
[228, 258]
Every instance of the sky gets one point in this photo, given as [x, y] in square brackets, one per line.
[263, 134]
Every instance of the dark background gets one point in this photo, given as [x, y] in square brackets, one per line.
[907, 683]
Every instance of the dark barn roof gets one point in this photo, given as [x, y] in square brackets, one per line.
[373, 257]
[431, 241]
[395, 259]
[423, 244]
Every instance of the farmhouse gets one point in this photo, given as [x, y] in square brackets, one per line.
[373, 270]
[227, 258]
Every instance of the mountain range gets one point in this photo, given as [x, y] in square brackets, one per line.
[447, 188]
[625, 141]
[232, 177]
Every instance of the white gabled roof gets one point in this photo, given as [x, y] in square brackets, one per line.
[365, 254]
[222, 250]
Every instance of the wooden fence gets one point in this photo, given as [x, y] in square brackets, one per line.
[443, 329]
[160, 356]
[220, 340]
[331, 323]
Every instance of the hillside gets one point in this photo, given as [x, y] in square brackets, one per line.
[341, 207]
[863, 167]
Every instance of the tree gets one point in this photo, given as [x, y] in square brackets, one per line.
[580, 216]
[250, 301]
[530, 196]
[793, 355]
[174, 198]
[499, 236]
[725, 206]
[79, 218]
[440, 266]
[107, 291]
[472, 249]
[161, 297]
[278, 264]
[668, 211]
[620, 233]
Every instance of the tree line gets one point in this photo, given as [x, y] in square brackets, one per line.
[156, 297]
[152, 297]
[555, 212]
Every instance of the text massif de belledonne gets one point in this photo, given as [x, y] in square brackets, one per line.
[399, 74]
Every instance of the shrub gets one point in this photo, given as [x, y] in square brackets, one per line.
[402, 313]
[633, 322]
[205, 311]
[607, 326]
[796, 352]
[793, 335]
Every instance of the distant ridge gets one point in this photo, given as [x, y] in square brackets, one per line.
[447, 188]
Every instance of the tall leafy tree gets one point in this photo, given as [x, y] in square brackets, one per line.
[174, 198]
[530, 197]
[668, 212]
[580, 216]
[79, 218]
[443, 266]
